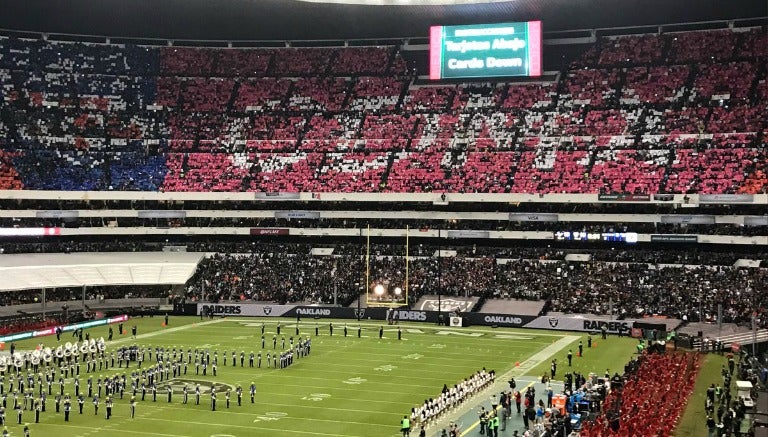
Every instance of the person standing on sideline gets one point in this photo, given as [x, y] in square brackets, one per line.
[711, 426]
[345, 330]
[166, 319]
[399, 333]
[581, 348]
[570, 357]
[405, 426]
[550, 395]
[553, 368]
[483, 416]
[330, 328]
[381, 332]
[589, 342]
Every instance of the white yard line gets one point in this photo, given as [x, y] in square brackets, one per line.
[131, 339]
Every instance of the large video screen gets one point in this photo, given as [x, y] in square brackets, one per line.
[485, 50]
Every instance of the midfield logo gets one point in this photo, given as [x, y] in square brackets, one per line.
[177, 385]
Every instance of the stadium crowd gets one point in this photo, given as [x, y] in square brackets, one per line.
[637, 115]
[629, 289]
[374, 223]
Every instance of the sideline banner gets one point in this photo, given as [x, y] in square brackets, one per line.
[268, 310]
[242, 309]
[581, 324]
[67, 328]
[505, 320]
[561, 323]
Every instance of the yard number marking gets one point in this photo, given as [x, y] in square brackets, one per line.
[356, 380]
[315, 397]
[413, 356]
[386, 368]
[270, 416]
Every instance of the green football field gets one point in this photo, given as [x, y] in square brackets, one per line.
[347, 386]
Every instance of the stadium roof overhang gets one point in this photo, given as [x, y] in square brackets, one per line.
[280, 20]
[56, 270]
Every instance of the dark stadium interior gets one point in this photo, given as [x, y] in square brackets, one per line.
[296, 20]
[302, 155]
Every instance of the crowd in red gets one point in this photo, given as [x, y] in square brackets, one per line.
[652, 399]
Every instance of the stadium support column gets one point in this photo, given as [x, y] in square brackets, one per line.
[439, 277]
[407, 249]
[610, 308]
[719, 321]
[367, 271]
[84, 287]
[43, 301]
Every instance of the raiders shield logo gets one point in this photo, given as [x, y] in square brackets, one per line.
[359, 313]
[553, 321]
[267, 310]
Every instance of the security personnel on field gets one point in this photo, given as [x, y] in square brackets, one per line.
[405, 426]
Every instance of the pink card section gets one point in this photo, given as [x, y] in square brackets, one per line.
[435, 52]
[534, 48]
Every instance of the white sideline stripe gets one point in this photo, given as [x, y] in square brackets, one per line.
[308, 404]
[59, 426]
[130, 339]
[276, 430]
[501, 380]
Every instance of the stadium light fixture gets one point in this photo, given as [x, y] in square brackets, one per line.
[398, 291]
[378, 289]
